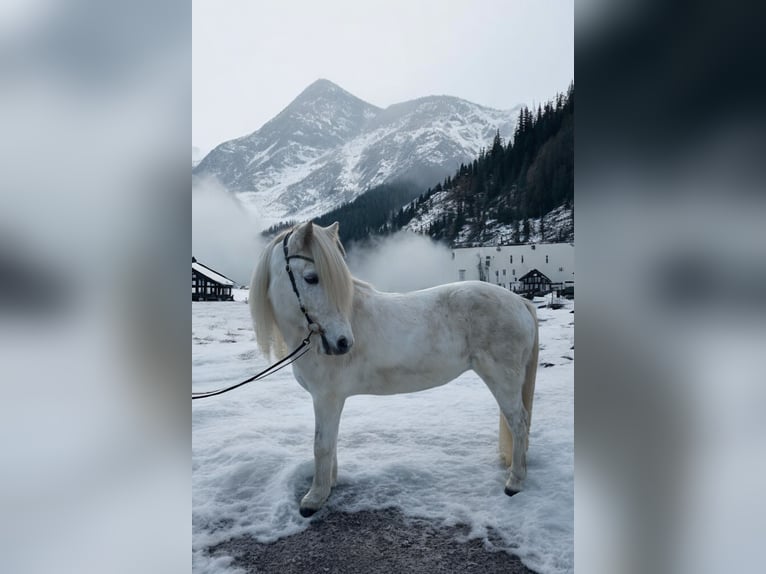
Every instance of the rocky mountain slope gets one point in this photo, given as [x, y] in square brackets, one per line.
[327, 147]
[518, 191]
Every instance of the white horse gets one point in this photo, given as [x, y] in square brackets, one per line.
[384, 343]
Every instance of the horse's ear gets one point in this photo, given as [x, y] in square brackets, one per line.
[333, 231]
[303, 233]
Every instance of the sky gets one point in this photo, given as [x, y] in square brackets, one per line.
[250, 59]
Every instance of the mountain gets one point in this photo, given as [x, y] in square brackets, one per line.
[328, 146]
[522, 191]
[516, 191]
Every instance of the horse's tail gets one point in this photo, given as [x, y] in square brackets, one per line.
[528, 390]
[527, 393]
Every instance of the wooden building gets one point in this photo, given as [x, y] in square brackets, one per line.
[209, 285]
[535, 283]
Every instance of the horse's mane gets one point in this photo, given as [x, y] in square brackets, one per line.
[325, 249]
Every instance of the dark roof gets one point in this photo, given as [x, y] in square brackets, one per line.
[535, 273]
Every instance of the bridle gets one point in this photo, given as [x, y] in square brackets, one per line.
[314, 327]
[291, 358]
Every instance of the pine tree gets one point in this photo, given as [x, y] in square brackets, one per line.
[497, 145]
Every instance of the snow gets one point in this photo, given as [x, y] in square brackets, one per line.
[210, 274]
[557, 224]
[240, 295]
[431, 454]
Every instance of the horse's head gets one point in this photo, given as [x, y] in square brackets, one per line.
[322, 280]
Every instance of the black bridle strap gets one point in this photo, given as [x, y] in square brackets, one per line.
[313, 325]
[289, 270]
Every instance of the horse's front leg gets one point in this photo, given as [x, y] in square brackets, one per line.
[327, 412]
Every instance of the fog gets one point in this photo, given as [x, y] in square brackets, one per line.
[225, 235]
[402, 262]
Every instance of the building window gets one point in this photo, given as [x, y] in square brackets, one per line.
[511, 259]
[513, 272]
[453, 255]
[522, 259]
[561, 268]
[504, 273]
[487, 261]
[461, 274]
[497, 273]
[546, 259]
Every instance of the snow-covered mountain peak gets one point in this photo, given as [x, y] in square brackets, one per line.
[323, 88]
[327, 105]
[328, 146]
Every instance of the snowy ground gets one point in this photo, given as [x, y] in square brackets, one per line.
[431, 454]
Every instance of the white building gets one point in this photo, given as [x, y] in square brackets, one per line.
[506, 265]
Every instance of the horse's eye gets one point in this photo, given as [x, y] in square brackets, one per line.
[311, 278]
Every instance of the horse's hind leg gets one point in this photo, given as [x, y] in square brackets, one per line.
[327, 419]
[506, 387]
[505, 441]
[517, 421]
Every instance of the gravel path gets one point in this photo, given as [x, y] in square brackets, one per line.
[383, 541]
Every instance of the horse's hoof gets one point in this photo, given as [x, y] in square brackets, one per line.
[510, 491]
[306, 512]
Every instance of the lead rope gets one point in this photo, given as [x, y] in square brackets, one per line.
[282, 363]
[263, 374]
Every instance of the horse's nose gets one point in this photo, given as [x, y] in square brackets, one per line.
[343, 345]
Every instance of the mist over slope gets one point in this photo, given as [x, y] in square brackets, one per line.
[225, 235]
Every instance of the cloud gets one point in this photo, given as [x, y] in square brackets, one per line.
[402, 262]
[225, 235]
